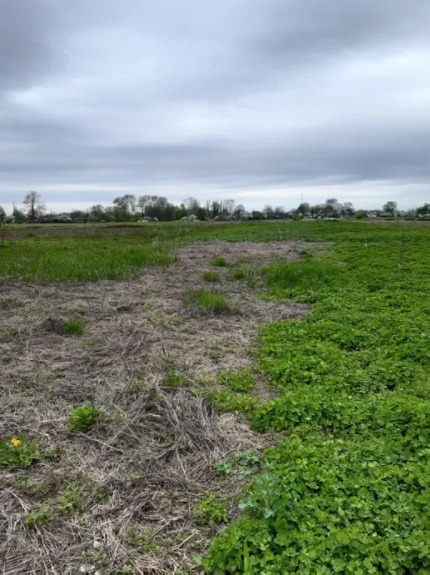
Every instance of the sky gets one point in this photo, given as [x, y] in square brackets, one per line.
[262, 101]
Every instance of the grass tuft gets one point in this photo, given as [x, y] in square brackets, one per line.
[211, 276]
[208, 300]
[219, 262]
[73, 327]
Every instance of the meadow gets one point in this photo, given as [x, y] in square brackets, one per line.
[216, 398]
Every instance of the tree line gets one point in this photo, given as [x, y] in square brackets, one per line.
[129, 208]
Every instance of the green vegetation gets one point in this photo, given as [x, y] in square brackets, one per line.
[239, 380]
[303, 280]
[219, 262]
[240, 274]
[347, 491]
[73, 327]
[240, 464]
[77, 496]
[173, 379]
[211, 508]
[84, 417]
[39, 517]
[233, 401]
[22, 452]
[90, 256]
[141, 539]
[208, 300]
[109, 252]
[211, 277]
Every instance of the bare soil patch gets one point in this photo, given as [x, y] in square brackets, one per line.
[156, 452]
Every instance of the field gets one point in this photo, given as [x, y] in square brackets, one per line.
[215, 398]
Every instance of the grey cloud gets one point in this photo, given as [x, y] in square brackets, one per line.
[241, 94]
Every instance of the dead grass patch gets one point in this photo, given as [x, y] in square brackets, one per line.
[155, 453]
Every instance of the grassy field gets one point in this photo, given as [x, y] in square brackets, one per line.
[244, 398]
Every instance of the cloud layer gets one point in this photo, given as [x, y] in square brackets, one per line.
[258, 100]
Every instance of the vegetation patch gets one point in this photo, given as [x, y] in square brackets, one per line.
[348, 483]
[211, 277]
[219, 262]
[84, 417]
[73, 327]
[214, 302]
[22, 452]
[210, 509]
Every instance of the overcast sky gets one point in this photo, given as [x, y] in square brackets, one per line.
[263, 101]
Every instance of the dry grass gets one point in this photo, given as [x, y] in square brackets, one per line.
[156, 452]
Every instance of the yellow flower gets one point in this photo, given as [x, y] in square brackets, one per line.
[15, 441]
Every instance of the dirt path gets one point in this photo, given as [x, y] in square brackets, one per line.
[156, 454]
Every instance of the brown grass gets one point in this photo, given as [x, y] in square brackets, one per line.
[156, 454]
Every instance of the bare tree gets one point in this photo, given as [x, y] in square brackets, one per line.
[229, 206]
[191, 205]
[35, 207]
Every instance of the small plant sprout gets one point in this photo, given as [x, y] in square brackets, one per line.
[84, 417]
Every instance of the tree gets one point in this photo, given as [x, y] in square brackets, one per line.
[347, 209]
[315, 210]
[2, 227]
[202, 214]
[97, 213]
[423, 210]
[126, 203]
[303, 209]
[142, 202]
[331, 208]
[390, 208]
[229, 206]
[191, 205]
[216, 209]
[35, 207]
[268, 211]
[18, 216]
[360, 214]
[239, 212]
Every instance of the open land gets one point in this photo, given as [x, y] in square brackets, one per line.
[202, 398]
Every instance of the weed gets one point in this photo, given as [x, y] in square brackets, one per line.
[303, 279]
[73, 327]
[22, 452]
[223, 468]
[173, 379]
[208, 301]
[242, 464]
[84, 417]
[77, 495]
[39, 517]
[31, 485]
[232, 401]
[240, 380]
[238, 274]
[142, 539]
[219, 262]
[211, 277]
[210, 508]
